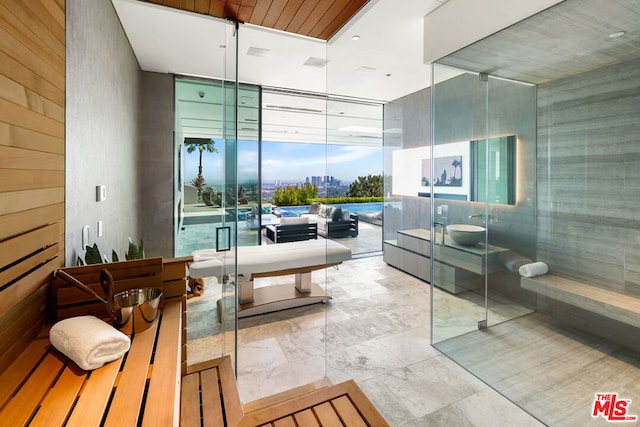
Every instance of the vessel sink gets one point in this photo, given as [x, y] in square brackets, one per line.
[466, 234]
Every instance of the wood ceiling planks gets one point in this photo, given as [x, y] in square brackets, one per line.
[319, 19]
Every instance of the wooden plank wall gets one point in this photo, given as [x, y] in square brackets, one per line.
[32, 100]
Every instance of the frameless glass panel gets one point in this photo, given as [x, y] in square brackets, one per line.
[283, 342]
[353, 182]
[459, 231]
[249, 200]
[206, 165]
[480, 245]
[510, 227]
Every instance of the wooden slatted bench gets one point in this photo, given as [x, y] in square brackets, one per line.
[43, 387]
[210, 395]
[607, 303]
[341, 404]
[151, 385]
[210, 398]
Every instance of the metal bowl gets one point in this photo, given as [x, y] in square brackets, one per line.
[136, 310]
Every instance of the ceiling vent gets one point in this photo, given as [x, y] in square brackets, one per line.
[258, 51]
[315, 62]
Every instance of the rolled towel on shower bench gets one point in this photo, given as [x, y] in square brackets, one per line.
[88, 341]
[534, 269]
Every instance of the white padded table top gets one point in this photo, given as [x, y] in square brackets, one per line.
[266, 258]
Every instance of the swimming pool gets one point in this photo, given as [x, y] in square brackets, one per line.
[351, 207]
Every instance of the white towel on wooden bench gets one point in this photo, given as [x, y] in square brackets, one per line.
[89, 341]
[534, 269]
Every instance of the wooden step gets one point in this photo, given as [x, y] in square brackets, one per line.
[293, 393]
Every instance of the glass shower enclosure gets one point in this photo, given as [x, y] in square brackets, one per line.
[482, 199]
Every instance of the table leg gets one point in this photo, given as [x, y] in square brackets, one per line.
[245, 290]
[303, 282]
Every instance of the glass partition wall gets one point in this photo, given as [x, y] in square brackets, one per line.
[575, 209]
[482, 199]
[205, 195]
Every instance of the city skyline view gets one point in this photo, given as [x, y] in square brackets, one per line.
[288, 162]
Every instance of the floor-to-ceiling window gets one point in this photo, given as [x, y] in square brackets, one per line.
[332, 145]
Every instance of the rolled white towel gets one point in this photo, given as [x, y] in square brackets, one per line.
[89, 341]
[534, 269]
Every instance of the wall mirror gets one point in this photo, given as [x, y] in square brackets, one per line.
[477, 170]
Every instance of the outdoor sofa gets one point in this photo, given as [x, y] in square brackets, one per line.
[292, 229]
[332, 221]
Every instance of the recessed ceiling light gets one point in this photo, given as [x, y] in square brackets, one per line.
[388, 74]
[616, 35]
[356, 37]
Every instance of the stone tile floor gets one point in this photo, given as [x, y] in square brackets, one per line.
[376, 330]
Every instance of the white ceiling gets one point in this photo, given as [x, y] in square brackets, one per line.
[167, 40]
[386, 63]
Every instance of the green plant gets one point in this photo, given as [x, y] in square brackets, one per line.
[295, 195]
[341, 200]
[202, 145]
[366, 186]
[92, 255]
[134, 252]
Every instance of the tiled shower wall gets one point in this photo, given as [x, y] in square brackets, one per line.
[588, 177]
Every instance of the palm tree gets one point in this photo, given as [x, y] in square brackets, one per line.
[202, 145]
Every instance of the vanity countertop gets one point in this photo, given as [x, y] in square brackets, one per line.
[479, 249]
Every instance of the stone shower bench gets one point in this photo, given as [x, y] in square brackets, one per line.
[607, 303]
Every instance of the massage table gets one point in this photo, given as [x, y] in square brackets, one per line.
[297, 258]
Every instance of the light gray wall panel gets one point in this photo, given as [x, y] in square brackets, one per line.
[588, 179]
[409, 118]
[466, 109]
[102, 78]
[157, 163]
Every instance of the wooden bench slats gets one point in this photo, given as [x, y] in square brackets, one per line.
[58, 403]
[232, 404]
[327, 416]
[190, 400]
[15, 374]
[306, 418]
[18, 409]
[164, 384]
[322, 402]
[285, 422]
[213, 386]
[347, 412]
[125, 406]
[212, 412]
[94, 397]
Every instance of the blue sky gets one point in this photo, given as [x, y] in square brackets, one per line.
[291, 161]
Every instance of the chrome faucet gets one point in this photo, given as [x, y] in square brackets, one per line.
[484, 217]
